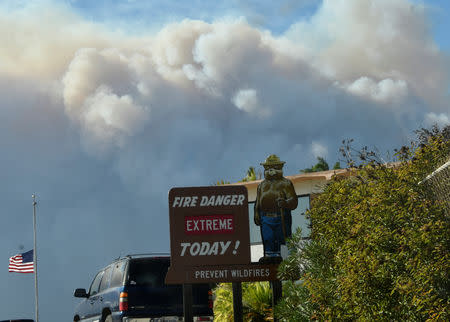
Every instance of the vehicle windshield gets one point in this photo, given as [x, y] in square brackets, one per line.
[149, 272]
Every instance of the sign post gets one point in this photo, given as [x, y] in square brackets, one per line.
[187, 303]
[237, 301]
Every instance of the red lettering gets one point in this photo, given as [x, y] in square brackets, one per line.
[209, 225]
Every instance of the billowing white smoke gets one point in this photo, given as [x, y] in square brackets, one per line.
[319, 150]
[384, 91]
[379, 51]
[101, 92]
[247, 100]
[110, 92]
[114, 87]
[172, 49]
[440, 120]
[373, 41]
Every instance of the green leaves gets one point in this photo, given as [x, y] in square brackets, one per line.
[321, 165]
[380, 243]
[256, 302]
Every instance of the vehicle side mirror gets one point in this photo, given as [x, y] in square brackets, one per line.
[80, 292]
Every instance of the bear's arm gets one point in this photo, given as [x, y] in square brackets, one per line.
[291, 196]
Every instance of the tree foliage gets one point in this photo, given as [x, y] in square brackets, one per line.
[321, 165]
[251, 175]
[256, 302]
[379, 247]
[337, 166]
[221, 182]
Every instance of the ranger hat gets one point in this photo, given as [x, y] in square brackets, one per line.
[272, 160]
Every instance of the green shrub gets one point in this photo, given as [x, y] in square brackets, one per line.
[256, 302]
[379, 246]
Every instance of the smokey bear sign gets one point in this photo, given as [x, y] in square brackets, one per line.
[208, 227]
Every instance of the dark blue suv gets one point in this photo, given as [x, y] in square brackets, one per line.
[132, 289]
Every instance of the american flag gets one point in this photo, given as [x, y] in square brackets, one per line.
[22, 263]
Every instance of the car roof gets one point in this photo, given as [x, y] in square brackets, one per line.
[164, 256]
[134, 257]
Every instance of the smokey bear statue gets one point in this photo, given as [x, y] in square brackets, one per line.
[275, 200]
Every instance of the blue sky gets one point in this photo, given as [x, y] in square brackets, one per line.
[141, 16]
[152, 14]
[440, 17]
[106, 105]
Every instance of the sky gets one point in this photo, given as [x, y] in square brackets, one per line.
[106, 105]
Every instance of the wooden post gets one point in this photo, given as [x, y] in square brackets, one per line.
[187, 303]
[277, 291]
[237, 301]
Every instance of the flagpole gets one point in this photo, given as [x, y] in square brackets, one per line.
[35, 261]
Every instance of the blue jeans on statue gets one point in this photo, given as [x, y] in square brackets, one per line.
[272, 235]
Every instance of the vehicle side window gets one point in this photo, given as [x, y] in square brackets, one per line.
[117, 274]
[95, 284]
[105, 280]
